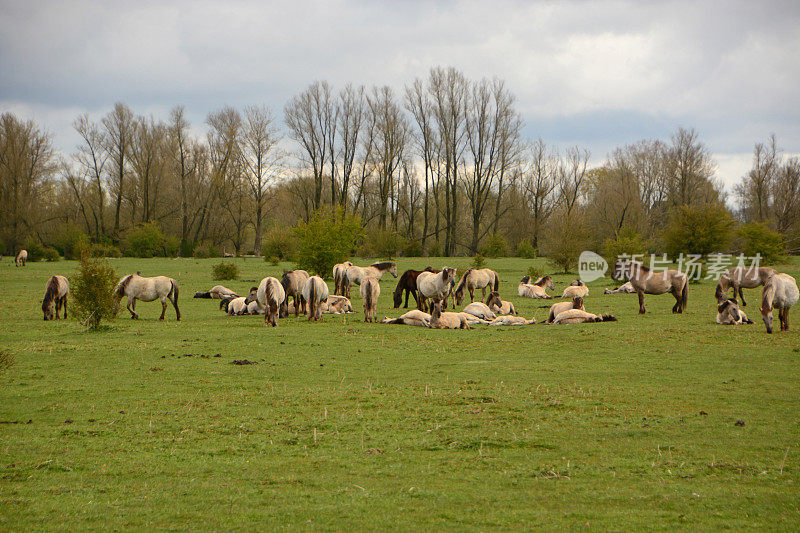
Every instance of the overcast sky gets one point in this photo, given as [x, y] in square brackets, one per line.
[595, 74]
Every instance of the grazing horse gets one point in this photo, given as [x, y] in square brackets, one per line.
[576, 289]
[436, 286]
[498, 306]
[270, 296]
[408, 283]
[729, 314]
[477, 279]
[779, 291]
[537, 290]
[646, 281]
[560, 307]
[315, 293]
[625, 288]
[579, 316]
[370, 291]
[441, 320]
[22, 257]
[414, 317]
[511, 321]
[480, 310]
[293, 283]
[55, 292]
[741, 278]
[338, 277]
[354, 274]
[135, 287]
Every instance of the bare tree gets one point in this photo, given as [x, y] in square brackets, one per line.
[185, 163]
[757, 186]
[391, 137]
[147, 155]
[352, 110]
[571, 176]
[419, 105]
[119, 129]
[92, 157]
[538, 176]
[787, 196]
[690, 170]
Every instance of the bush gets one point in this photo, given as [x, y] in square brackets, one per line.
[145, 240]
[525, 250]
[92, 291]
[628, 242]
[756, 238]
[204, 251]
[223, 271]
[35, 250]
[172, 245]
[413, 248]
[698, 229]
[495, 247]
[565, 242]
[478, 262]
[534, 273]
[435, 249]
[71, 241]
[326, 239]
[279, 242]
[51, 254]
[104, 250]
[382, 243]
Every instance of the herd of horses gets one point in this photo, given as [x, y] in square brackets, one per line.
[432, 289]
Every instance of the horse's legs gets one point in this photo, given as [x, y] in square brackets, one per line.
[677, 307]
[471, 294]
[408, 291]
[642, 310]
[65, 307]
[163, 307]
[741, 295]
[132, 306]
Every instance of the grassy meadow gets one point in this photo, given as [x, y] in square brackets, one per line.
[659, 421]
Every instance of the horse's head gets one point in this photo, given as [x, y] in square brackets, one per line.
[766, 305]
[398, 297]
[550, 284]
[494, 299]
[577, 303]
[429, 269]
[393, 270]
[47, 308]
[449, 275]
[622, 270]
[525, 279]
[437, 308]
[576, 283]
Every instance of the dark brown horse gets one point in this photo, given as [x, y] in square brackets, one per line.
[408, 283]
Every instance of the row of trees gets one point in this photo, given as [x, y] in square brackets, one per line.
[441, 167]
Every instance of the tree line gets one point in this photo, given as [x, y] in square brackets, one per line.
[441, 168]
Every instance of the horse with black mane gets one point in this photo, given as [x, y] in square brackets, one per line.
[135, 287]
[408, 283]
[55, 292]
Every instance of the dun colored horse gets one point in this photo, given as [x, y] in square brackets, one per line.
[729, 314]
[135, 287]
[414, 317]
[354, 274]
[338, 277]
[576, 289]
[646, 281]
[270, 296]
[476, 279]
[511, 321]
[315, 293]
[293, 283]
[560, 307]
[440, 320]
[408, 284]
[780, 291]
[536, 290]
[22, 257]
[480, 310]
[370, 291]
[741, 278]
[435, 286]
[498, 306]
[217, 292]
[625, 288]
[55, 293]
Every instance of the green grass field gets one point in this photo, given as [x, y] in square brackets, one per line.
[344, 425]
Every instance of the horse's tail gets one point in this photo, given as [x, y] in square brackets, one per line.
[119, 290]
[313, 303]
[225, 303]
[496, 282]
[685, 294]
[202, 294]
[608, 318]
[719, 293]
[173, 291]
[368, 299]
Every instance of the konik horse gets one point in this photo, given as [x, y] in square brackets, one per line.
[135, 287]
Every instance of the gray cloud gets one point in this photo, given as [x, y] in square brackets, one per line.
[591, 73]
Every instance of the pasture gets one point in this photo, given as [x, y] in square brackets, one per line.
[659, 421]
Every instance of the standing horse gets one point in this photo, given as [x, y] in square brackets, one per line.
[780, 291]
[646, 281]
[741, 278]
[498, 306]
[293, 283]
[436, 286]
[354, 274]
[22, 257]
[270, 296]
[135, 287]
[477, 279]
[56, 291]
[315, 293]
[408, 283]
[370, 291]
[338, 277]
[537, 290]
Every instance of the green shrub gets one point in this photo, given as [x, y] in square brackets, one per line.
[478, 262]
[104, 250]
[92, 291]
[567, 238]
[698, 229]
[71, 241]
[145, 240]
[172, 245]
[628, 242]
[525, 250]
[280, 242]
[326, 239]
[756, 238]
[534, 273]
[496, 246]
[204, 251]
[435, 249]
[223, 271]
[382, 243]
[51, 254]
[413, 248]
